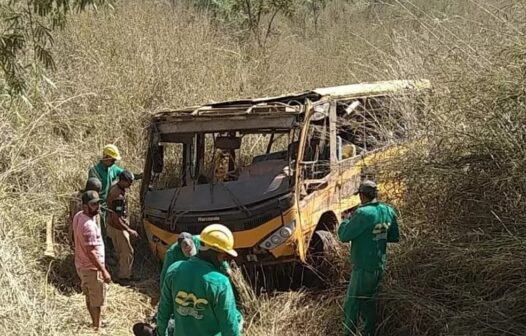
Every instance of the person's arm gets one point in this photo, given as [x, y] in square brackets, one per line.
[92, 255]
[121, 223]
[348, 213]
[393, 233]
[241, 321]
[118, 170]
[227, 313]
[169, 259]
[90, 241]
[166, 305]
[225, 268]
[352, 227]
[92, 172]
[117, 219]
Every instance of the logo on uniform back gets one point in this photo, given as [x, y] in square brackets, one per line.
[380, 231]
[190, 305]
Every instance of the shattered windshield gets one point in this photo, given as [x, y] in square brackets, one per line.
[224, 170]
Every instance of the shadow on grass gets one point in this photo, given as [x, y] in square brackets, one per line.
[61, 272]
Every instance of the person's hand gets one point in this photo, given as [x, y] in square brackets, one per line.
[106, 276]
[348, 213]
[133, 233]
[241, 324]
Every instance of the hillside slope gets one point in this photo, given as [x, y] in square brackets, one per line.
[460, 269]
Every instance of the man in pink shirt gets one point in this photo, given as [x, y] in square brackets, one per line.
[89, 256]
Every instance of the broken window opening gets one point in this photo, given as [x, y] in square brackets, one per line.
[219, 157]
[367, 124]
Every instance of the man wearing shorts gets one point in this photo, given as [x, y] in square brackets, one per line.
[89, 256]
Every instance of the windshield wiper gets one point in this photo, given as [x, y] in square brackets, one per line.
[240, 205]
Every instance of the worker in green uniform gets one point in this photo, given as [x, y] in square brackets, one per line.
[106, 171]
[369, 228]
[198, 295]
[185, 247]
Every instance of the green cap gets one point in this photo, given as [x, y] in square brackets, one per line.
[367, 187]
[90, 196]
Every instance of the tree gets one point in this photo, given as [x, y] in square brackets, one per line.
[316, 7]
[258, 15]
[26, 36]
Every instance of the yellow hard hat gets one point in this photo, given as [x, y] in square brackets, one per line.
[218, 237]
[111, 151]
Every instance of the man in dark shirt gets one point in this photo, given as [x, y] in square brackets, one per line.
[119, 229]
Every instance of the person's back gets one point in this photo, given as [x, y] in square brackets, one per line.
[368, 248]
[203, 300]
[369, 228]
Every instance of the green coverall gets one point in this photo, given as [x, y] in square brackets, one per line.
[106, 176]
[174, 254]
[368, 229]
[201, 299]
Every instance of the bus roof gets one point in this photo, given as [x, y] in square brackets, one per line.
[373, 89]
[281, 106]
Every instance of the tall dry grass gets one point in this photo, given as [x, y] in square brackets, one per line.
[459, 269]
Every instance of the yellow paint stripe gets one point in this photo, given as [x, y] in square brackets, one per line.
[242, 239]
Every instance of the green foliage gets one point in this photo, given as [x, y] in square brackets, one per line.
[253, 14]
[257, 18]
[26, 36]
[249, 17]
[315, 7]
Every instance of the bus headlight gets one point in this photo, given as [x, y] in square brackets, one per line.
[279, 236]
[285, 232]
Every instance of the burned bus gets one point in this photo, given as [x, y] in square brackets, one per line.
[278, 171]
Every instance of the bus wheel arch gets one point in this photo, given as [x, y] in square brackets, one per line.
[322, 245]
[327, 222]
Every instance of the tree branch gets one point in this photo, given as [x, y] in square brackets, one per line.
[269, 27]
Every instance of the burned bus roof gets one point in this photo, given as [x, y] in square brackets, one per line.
[337, 92]
[278, 111]
[373, 89]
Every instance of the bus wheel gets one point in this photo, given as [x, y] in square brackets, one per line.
[322, 247]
